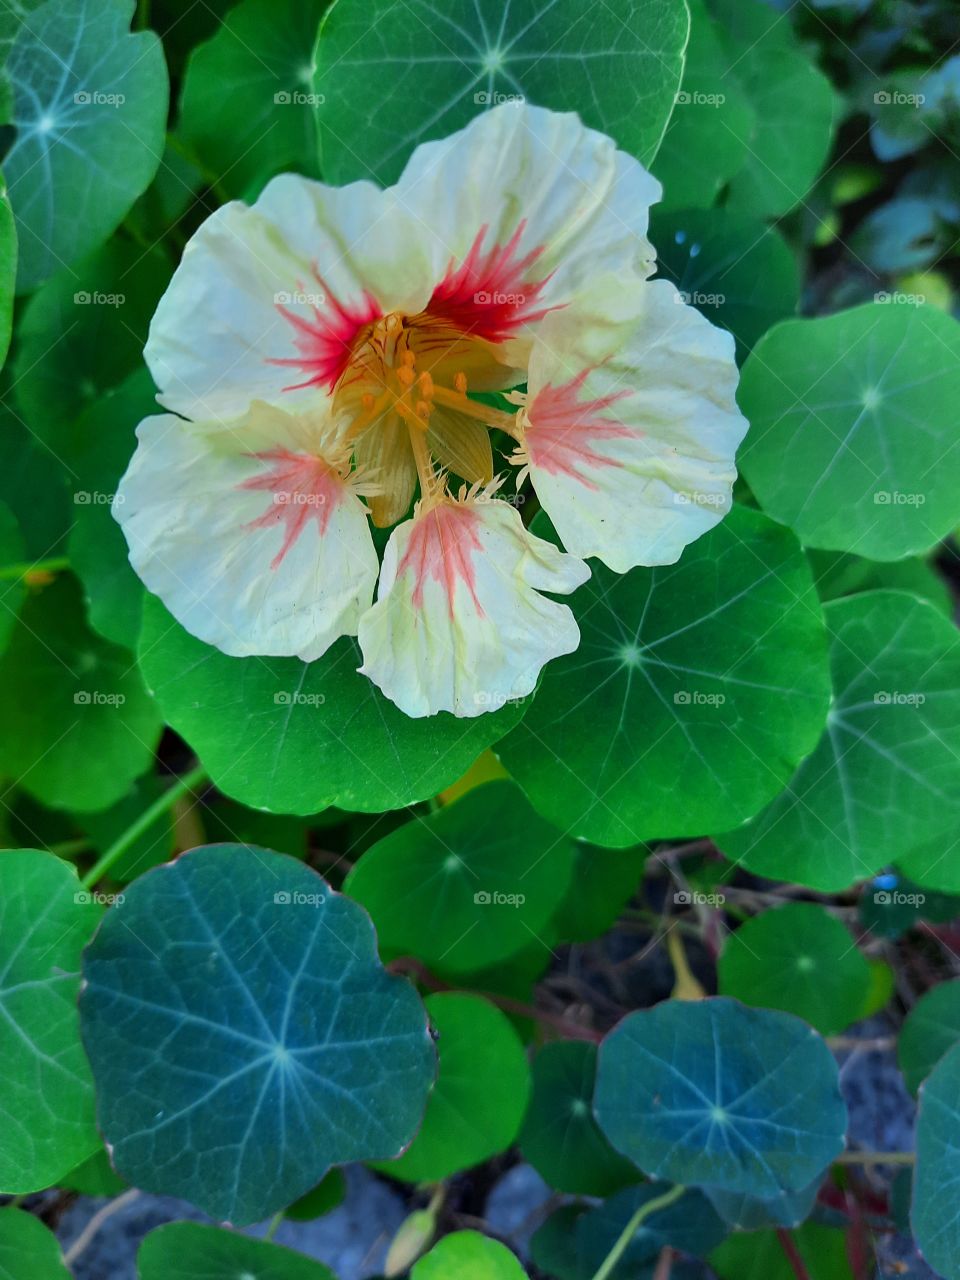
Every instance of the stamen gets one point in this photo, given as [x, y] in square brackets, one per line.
[460, 382]
[426, 384]
[405, 376]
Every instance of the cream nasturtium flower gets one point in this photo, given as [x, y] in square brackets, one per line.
[319, 354]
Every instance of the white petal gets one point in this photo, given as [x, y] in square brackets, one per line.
[585, 204]
[459, 624]
[252, 544]
[631, 423]
[219, 326]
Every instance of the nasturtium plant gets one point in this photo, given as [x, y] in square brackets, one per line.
[479, 678]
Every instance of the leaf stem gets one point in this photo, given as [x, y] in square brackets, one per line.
[648, 1208]
[54, 565]
[876, 1157]
[187, 782]
[274, 1224]
[789, 1247]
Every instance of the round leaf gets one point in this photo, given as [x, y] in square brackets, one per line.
[748, 1213]
[90, 106]
[936, 1224]
[28, 1249]
[839, 574]
[478, 1102]
[189, 1251]
[602, 883]
[619, 70]
[12, 590]
[247, 107]
[733, 268]
[674, 662]
[468, 1256]
[714, 1093]
[798, 958]
[930, 1028]
[853, 428]
[888, 765]
[46, 1107]
[469, 885]
[243, 1034]
[76, 724]
[690, 1224]
[560, 1137]
[295, 737]
[760, 1255]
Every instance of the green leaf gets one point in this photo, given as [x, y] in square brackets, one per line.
[435, 66]
[836, 449]
[81, 334]
[329, 1192]
[890, 906]
[468, 1256]
[33, 486]
[152, 846]
[932, 864]
[477, 1104]
[44, 922]
[798, 958]
[8, 269]
[76, 724]
[748, 1213]
[467, 886]
[90, 107]
[12, 591]
[104, 438]
[706, 139]
[28, 1249]
[935, 1219]
[560, 1136]
[759, 1255]
[295, 737]
[673, 663]
[690, 1224]
[95, 1177]
[737, 271]
[713, 1093]
[602, 883]
[247, 106]
[889, 760]
[243, 1034]
[930, 1028]
[189, 1251]
[839, 574]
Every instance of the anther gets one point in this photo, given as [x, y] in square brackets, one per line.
[408, 359]
[423, 409]
[460, 382]
[426, 384]
[405, 376]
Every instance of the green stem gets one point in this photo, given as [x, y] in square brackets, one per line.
[136, 829]
[876, 1157]
[67, 848]
[633, 1226]
[53, 565]
[274, 1224]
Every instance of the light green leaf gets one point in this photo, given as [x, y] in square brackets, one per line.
[839, 574]
[674, 663]
[733, 268]
[798, 958]
[8, 269]
[467, 886]
[90, 107]
[930, 1028]
[295, 737]
[477, 1104]
[853, 428]
[28, 1249]
[46, 1106]
[886, 773]
[436, 66]
[713, 1093]
[189, 1251]
[247, 106]
[76, 724]
[759, 1255]
[243, 1034]
[935, 1215]
[468, 1256]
